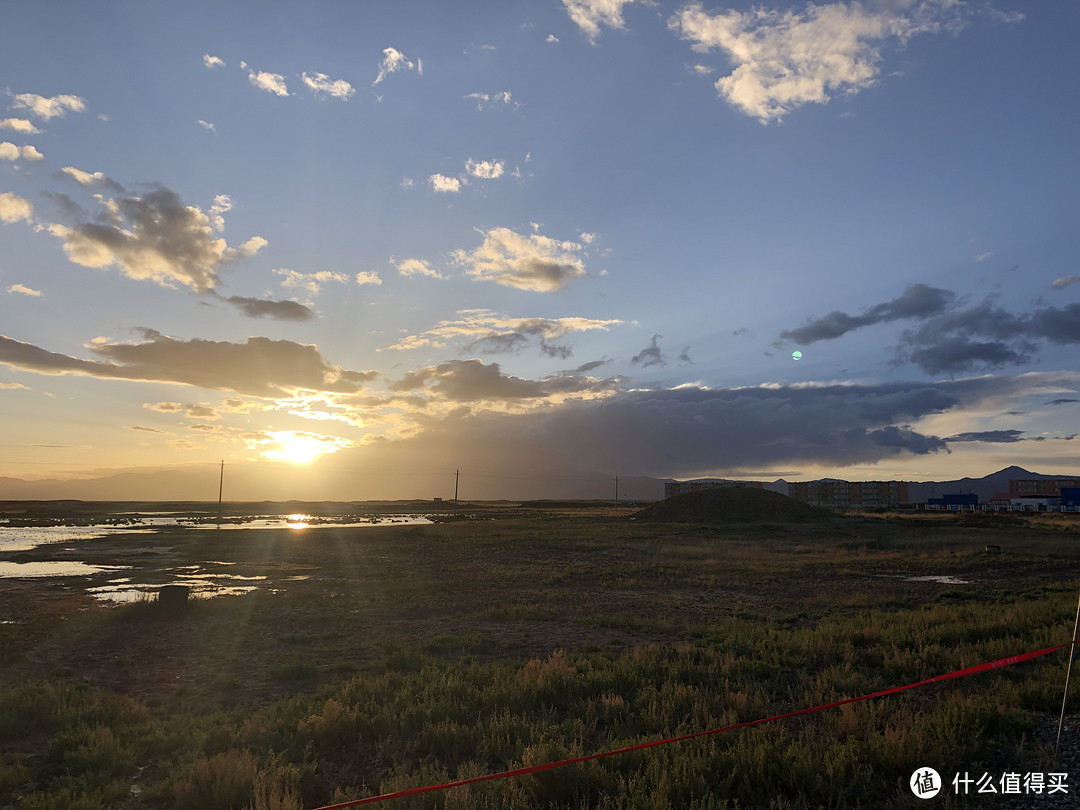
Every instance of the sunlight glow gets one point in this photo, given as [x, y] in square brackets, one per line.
[300, 448]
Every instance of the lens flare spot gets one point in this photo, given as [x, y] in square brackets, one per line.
[796, 355]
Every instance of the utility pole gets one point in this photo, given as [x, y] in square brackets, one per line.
[616, 496]
[220, 489]
[456, 474]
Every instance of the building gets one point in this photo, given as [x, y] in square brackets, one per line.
[1070, 499]
[835, 494]
[1042, 486]
[679, 487]
[954, 501]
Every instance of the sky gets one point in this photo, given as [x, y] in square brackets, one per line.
[351, 248]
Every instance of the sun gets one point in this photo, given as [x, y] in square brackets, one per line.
[298, 448]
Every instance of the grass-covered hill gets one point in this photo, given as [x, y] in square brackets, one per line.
[733, 505]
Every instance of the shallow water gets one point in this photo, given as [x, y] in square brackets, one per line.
[25, 538]
[205, 579]
[57, 568]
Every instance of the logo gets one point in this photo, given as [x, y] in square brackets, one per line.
[925, 783]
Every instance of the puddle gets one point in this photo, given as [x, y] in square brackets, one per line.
[58, 568]
[204, 584]
[29, 537]
[941, 580]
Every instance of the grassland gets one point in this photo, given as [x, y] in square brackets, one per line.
[380, 658]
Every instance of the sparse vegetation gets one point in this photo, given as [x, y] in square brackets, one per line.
[415, 655]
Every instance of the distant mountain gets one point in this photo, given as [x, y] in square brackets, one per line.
[259, 482]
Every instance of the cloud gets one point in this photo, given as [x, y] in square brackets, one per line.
[785, 59]
[982, 257]
[650, 355]
[311, 282]
[482, 99]
[694, 430]
[270, 82]
[488, 333]
[417, 267]
[278, 310]
[20, 125]
[993, 437]
[164, 407]
[394, 60]
[365, 277]
[148, 429]
[259, 366]
[322, 84]
[484, 169]
[9, 151]
[986, 336]
[1061, 401]
[14, 208]
[201, 411]
[589, 15]
[468, 381]
[153, 237]
[48, 108]
[551, 38]
[207, 125]
[442, 183]
[22, 289]
[917, 301]
[89, 179]
[213, 61]
[534, 262]
[222, 205]
[1065, 282]
[253, 245]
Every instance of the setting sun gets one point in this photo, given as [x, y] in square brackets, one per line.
[299, 448]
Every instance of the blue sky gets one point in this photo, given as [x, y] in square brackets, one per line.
[580, 236]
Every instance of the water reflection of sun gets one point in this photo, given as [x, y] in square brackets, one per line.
[298, 521]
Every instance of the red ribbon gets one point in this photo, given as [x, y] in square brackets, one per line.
[547, 766]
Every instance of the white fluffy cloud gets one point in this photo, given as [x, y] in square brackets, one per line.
[323, 84]
[48, 107]
[222, 205]
[207, 125]
[485, 169]
[589, 15]
[14, 208]
[785, 59]
[417, 267]
[9, 151]
[22, 289]
[213, 61]
[363, 278]
[270, 82]
[440, 182]
[394, 60]
[311, 282]
[20, 125]
[533, 262]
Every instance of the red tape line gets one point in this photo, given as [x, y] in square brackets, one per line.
[547, 766]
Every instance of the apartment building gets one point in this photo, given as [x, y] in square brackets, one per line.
[834, 494]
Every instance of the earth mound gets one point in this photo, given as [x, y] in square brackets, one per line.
[732, 505]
